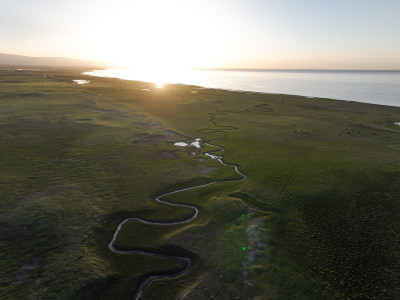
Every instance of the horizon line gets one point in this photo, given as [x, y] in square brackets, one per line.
[295, 69]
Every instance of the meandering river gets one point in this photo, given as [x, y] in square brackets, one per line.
[186, 260]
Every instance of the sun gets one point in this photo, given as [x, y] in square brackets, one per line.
[169, 37]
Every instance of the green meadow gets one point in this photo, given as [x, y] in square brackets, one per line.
[317, 217]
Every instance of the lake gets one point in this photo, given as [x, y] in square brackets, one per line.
[378, 87]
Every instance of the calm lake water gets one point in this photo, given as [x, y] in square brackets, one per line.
[379, 87]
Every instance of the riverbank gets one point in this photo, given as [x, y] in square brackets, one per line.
[316, 216]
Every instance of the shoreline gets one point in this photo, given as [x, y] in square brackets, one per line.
[130, 77]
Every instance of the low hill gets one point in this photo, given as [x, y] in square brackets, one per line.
[12, 59]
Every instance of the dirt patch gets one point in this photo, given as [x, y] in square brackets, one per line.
[139, 136]
[166, 136]
[263, 107]
[26, 270]
[167, 155]
[193, 151]
[84, 120]
[205, 170]
[256, 250]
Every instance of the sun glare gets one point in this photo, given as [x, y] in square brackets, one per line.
[161, 76]
[160, 45]
[157, 76]
[169, 37]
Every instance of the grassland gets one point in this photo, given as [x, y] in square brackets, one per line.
[319, 212]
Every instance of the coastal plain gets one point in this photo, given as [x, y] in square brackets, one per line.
[317, 217]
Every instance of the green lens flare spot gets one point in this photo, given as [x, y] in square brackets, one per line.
[243, 248]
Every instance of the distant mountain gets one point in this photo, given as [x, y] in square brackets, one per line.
[12, 59]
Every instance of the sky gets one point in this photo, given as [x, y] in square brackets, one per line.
[311, 34]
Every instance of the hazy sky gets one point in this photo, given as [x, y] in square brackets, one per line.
[334, 34]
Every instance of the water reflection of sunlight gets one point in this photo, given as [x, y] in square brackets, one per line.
[158, 76]
[161, 76]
